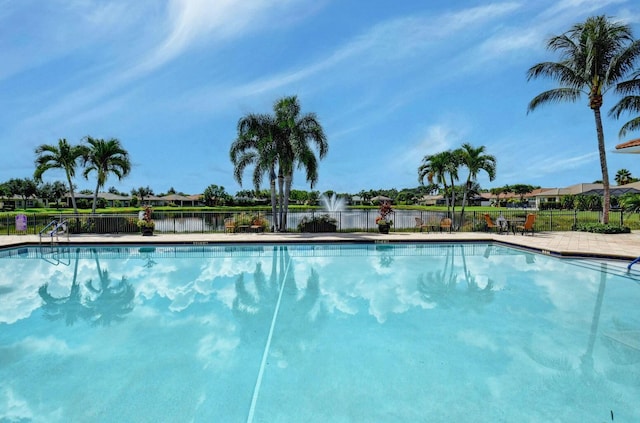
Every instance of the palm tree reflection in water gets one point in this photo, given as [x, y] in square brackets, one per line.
[70, 308]
[299, 311]
[106, 303]
[440, 287]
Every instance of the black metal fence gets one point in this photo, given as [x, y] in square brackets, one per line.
[345, 221]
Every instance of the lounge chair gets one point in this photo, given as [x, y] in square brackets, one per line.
[528, 224]
[421, 225]
[229, 225]
[490, 225]
[445, 223]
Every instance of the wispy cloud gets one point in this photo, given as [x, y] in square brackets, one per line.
[190, 22]
[438, 137]
[551, 165]
[408, 40]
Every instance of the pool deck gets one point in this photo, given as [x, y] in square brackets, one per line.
[581, 244]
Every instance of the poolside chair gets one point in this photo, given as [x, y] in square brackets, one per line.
[420, 224]
[528, 224]
[490, 224]
[229, 225]
[445, 223]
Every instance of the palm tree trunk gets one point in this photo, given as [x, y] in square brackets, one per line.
[287, 190]
[446, 197]
[280, 200]
[95, 198]
[606, 202]
[274, 202]
[73, 196]
[453, 203]
[464, 199]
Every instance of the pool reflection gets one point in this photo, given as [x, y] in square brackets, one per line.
[106, 301]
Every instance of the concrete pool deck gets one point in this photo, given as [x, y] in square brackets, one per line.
[619, 246]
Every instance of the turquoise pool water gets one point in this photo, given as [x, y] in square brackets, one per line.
[315, 333]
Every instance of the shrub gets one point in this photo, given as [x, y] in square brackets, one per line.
[601, 228]
[319, 223]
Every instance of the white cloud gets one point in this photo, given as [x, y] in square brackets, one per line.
[551, 165]
[191, 21]
[438, 137]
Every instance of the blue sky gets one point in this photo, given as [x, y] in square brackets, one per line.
[390, 82]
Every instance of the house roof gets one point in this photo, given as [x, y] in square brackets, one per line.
[177, 197]
[632, 146]
[571, 190]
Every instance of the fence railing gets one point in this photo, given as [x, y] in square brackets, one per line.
[345, 221]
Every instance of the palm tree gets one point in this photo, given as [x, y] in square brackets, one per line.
[475, 160]
[276, 145]
[623, 177]
[595, 55]
[629, 103]
[63, 156]
[105, 157]
[630, 203]
[437, 167]
[255, 145]
[294, 134]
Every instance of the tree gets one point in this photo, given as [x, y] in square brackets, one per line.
[629, 103]
[630, 203]
[295, 132]
[105, 157]
[5, 191]
[474, 159]
[522, 190]
[623, 177]
[52, 192]
[255, 145]
[142, 192]
[215, 195]
[595, 55]
[63, 156]
[114, 190]
[500, 190]
[276, 145]
[437, 167]
[25, 188]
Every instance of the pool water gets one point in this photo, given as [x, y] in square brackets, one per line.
[316, 333]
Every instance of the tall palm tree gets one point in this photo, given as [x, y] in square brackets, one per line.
[438, 167]
[294, 135]
[595, 56]
[623, 177]
[474, 159]
[277, 144]
[105, 157]
[629, 103]
[63, 156]
[255, 146]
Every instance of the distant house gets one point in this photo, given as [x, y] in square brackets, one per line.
[356, 200]
[556, 194]
[181, 200]
[432, 200]
[527, 200]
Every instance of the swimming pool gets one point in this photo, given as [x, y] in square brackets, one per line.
[315, 333]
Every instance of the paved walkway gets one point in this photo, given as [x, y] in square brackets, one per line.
[623, 246]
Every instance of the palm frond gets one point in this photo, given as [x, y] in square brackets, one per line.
[556, 95]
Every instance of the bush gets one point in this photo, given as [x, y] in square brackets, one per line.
[320, 223]
[601, 228]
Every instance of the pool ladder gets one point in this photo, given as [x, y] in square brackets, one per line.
[54, 229]
[632, 263]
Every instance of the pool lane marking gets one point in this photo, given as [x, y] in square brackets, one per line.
[265, 354]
